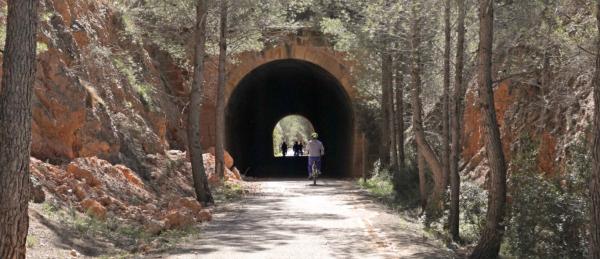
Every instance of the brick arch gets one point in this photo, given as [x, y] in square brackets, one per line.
[309, 48]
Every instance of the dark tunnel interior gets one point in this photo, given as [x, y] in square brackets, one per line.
[275, 90]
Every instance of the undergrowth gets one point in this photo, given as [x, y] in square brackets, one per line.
[397, 189]
[228, 192]
[128, 237]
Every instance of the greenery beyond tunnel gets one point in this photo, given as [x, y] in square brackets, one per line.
[275, 90]
[291, 130]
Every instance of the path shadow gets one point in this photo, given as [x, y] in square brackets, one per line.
[265, 221]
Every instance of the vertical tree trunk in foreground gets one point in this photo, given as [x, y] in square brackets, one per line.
[453, 220]
[446, 98]
[491, 237]
[386, 70]
[15, 126]
[595, 179]
[220, 128]
[203, 194]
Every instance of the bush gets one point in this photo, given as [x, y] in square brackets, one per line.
[380, 184]
[473, 209]
[399, 189]
[406, 187]
[547, 213]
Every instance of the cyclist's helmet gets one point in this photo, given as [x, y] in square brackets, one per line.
[314, 135]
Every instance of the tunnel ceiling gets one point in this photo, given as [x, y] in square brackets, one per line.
[275, 90]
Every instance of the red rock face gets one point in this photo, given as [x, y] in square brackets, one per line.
[473, 131]
[523, 111]
[92, 86]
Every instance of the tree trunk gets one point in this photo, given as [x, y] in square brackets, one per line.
[201, 187]
[392, 118]
[15, 125]
[456, 120]
[419, 132]
[386, 70]
[595, 178]
[446, 98]
[400, 113]
[220, 128]
[422, 179]
[491, 237]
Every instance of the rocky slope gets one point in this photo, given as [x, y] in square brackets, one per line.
[556, 116]
[109, 119]
[101, 91]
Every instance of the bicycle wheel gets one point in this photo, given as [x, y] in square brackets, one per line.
[315, 172]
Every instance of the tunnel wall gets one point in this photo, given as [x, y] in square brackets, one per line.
[278, 89]
[310, 47]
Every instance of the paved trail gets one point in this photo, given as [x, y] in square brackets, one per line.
[291, 219]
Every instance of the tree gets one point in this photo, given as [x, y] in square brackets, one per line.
[491, 236]
[18, 77]
[422, 179]
[386, 85]
[201, 187]
[220, 116]
[424, 148]
[595, 178]
[446, 96]
[457, 104]
[399, 110]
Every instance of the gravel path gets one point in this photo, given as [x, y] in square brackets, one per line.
[291, 219]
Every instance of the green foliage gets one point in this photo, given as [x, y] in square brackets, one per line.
[406, 187]
[229, 192]
[344, 39]
[32, 241]
[473, 208]
[380, 185]
[132, 73]
[547, 213]
[170, 25]
[397, 189]
[41, 47]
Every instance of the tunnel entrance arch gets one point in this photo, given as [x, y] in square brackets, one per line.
[279, 88]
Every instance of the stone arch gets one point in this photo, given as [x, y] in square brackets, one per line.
[305, 46]
[304, 49]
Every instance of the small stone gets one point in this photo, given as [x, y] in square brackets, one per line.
[94, 209]
[204, 216]
[154, 227]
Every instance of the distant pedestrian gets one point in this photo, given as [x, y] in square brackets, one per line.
[301, 149]
[296, 149]
[284, 148]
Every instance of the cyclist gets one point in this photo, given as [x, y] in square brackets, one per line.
[315, 152]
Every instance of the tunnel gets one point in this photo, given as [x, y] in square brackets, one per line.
[275, 90]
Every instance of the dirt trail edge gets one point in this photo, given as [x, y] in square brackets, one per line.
[291, 219]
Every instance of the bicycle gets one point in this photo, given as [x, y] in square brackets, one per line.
[315, 172]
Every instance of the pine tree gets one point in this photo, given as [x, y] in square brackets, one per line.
[19, 67]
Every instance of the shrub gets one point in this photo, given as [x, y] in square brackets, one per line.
[547, 213]
[473, 209]
[398, 189]
[380, 184]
